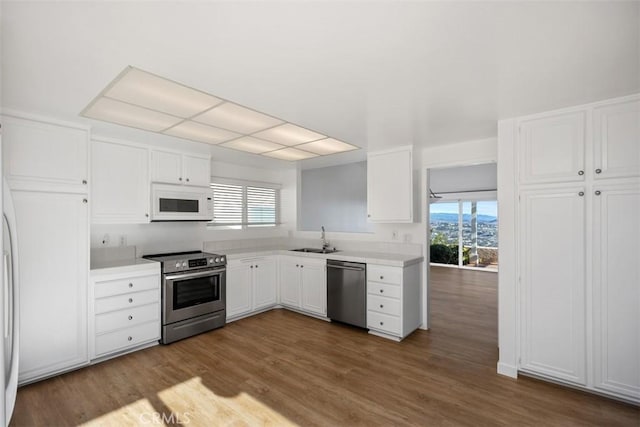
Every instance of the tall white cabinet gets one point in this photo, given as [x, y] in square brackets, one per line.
[577, 192]
[390, 185]
[47, 166]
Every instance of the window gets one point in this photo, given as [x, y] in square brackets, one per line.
[238, 204]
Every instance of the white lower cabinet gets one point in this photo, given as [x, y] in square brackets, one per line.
[125, 311]
[393, 300]
[53, 244]
[303, 284]
[251, 286]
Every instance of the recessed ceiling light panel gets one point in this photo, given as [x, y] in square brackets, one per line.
[290, 154]
[327, 146]
[110, 110]
[201, 133]
[289, 134]
[236, 118]
[156, 93]
[252, 145]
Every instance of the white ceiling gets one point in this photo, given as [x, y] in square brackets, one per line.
[373, 74]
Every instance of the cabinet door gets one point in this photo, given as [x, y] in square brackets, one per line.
[616, 136]
[197, 170]
[616, 287]
[551, 149]
[166, 167]
[390, 186]
[290, 282]
[552, 271]
[52, 255]
[264, 284]
[314, 288]
[119, 183]
[238, 289]
[44, 156]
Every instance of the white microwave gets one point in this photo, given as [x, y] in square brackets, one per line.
[181, 203]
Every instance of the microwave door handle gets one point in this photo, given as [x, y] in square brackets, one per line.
[193, 275]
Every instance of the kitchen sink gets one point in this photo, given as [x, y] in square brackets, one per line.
[315, 250]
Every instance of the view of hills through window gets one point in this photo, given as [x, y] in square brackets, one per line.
[444, 218]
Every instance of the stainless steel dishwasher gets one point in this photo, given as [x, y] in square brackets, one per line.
[347, 292]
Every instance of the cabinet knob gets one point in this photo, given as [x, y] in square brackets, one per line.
[187, 179]
[580, 172]
[146, 215]
[598, 192]
[381, 323]
[302, 266]
[382, 291]
[131, 285]
[381, 306]
[297, 265]
[598, 170]
[251, 266]
[130, 300]
[368, 216]
[381, 277]
[129, 338]
[256, 266]
[130, 317]
[85, 201]
[581, 193]
[84, 181]
[180, 179]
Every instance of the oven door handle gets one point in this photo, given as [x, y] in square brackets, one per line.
[194, 275]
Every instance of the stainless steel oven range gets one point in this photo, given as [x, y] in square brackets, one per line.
[193, 293]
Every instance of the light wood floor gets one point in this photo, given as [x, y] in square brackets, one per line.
[282, 368]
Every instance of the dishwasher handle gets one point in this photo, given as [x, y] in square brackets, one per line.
[345, 267]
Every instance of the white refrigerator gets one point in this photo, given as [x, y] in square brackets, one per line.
[8, 308]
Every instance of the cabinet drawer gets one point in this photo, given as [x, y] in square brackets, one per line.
[120, 302]
[127, 317]
[119, 340]
[383, 322]
[383, 305]
[382, 289]
[122, 286]
[384, 274]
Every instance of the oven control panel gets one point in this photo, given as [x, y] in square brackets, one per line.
[187, 264]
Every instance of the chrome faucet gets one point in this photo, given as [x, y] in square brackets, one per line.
[325, 244]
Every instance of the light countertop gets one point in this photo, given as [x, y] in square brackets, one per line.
[127, 265]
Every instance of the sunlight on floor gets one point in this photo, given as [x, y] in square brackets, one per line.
[192, 403]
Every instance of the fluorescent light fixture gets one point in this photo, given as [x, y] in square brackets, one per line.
[252, 145]
[327, 146]
[156, 93]
[113, 111]
[290, 154]
[143, 100]
[201, 133]
[236, 118]
[289, 134]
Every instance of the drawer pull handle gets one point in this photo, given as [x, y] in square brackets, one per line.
[130, 317]
[598, 170]
[381, 277]
[297, 265]
[129, 339]
[580, 173]
[381, 291]
[381, 323]
[381, 306]
[130, 300]
[251, 266]
[131, 285]
[302, 266]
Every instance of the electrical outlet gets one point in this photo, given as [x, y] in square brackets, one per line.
[105, 240]
[394, 235]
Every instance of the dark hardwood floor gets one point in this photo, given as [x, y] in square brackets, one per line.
[281, 368]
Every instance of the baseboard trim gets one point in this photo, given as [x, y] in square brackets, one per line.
[507, 370]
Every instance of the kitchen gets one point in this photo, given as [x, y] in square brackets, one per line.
[88, 185]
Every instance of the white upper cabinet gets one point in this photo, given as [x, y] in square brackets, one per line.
[390, 186]
[197, 170]
[552, 271]
[46, 156]
[119, 182]
[616, 138]
[551, 149]
[616, 289]
[170, 167]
